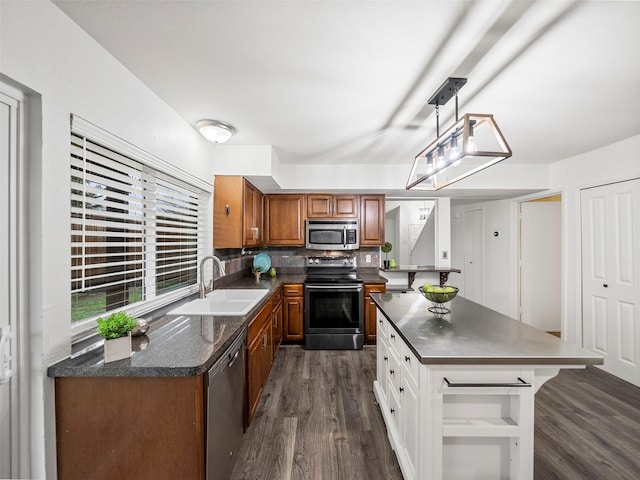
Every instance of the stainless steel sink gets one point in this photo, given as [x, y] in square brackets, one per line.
[233, 302]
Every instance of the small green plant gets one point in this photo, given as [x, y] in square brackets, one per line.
[386, 248]
[116, 325]
[256, 269]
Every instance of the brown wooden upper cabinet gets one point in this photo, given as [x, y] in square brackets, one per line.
[237, 213]
[371, 220]
[332, 206]
[284, 219]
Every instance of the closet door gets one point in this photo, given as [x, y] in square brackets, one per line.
[611, 276]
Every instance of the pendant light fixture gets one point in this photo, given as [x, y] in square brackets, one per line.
[473, 143]
[215, 131]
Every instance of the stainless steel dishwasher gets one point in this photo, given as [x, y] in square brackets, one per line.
[225, 411]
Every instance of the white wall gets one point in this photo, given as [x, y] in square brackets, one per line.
[617, 162]
[68, 72]
[499, 252]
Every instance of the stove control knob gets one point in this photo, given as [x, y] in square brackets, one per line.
[317, 261]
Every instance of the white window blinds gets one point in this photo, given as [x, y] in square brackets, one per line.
[136, 232]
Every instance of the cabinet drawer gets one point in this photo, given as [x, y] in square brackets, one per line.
[292, 290]
[410, 363]
[374, 288]
[258, 322]
[395, 372]
[276, 296]
[394, 340]
[382, 327]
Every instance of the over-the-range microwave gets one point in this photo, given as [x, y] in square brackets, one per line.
[332, 234]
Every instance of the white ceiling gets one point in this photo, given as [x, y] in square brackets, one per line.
[347, 82]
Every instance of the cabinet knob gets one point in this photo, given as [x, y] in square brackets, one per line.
[401, 389]
[391, 372]
[380, 322]
[407, 358]
[605, 285]
[393, 411]
[386, 359]
[393, 337]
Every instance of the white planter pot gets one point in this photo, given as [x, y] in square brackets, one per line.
[117, 349]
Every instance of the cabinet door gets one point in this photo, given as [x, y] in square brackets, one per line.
[278, 330]
[254, 376]
[345, 206]
[371, 220]
[293, 316]
[319, 205]
[409, 425]
[284, 218]
[371, 311]
[228, 211]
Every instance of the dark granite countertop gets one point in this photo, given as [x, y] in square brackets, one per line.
[474, 335]
[174, 346]
[183, 345]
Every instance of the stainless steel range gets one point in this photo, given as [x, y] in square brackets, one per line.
[333, 304]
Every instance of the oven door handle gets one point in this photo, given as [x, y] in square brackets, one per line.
[355, 288]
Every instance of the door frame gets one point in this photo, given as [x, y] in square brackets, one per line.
[18, 246]
[518, 252]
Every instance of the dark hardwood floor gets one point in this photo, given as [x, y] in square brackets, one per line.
[318, 420]
[587, 426]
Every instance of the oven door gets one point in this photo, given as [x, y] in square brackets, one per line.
[333, 309]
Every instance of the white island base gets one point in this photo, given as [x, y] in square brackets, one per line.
[451, 417]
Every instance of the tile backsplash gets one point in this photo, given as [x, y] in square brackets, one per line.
[290, 258]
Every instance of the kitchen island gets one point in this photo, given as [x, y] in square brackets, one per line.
[457, 392]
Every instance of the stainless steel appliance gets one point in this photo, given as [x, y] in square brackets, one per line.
[225, 411]
[332, 234]
[333, 304]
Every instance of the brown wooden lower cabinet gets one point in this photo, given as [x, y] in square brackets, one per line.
[130, 427]
[277, 316]
[259, 357]
[370, 311]
[293, 312]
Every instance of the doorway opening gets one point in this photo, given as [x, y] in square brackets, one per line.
[539, 263]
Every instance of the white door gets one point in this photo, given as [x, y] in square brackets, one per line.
[473, 269]
[8, 152]
[540, 260]
[611, 276]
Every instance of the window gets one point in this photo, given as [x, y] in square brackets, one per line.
[136, 231]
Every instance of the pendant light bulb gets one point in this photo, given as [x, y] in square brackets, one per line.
[454, 152]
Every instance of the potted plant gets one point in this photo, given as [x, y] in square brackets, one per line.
[386, 248]
[257, 271]
[116, 330]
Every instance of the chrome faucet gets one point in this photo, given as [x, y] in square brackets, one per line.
[216, 260]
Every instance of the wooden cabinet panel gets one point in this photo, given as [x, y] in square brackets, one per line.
[332, 206]
[319, 205]
[370, 311]
[278, 321]
[345, 206]
[107, 426]
[253, 231]
[293, 312]
[284, 219]
[237, 213]
[371, 220]
[259, 357]
[227, 211]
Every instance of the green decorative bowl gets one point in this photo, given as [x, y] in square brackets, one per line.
[438, 295]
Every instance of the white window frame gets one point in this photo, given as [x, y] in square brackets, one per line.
[80, 127]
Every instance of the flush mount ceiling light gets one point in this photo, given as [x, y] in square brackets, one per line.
[215, 131]
[473, 143]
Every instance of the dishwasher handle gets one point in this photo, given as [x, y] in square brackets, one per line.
[233, 360]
